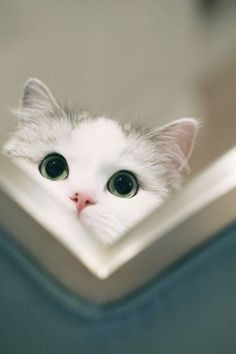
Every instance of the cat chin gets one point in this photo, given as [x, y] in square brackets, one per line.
[109, 227]
[106, 237]
[105, 226]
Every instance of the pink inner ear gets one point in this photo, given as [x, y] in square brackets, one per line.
[186, 137]
[179, 137]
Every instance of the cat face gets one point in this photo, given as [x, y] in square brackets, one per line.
[110, 175]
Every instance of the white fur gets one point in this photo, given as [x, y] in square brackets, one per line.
[94, 153]
[95, 149]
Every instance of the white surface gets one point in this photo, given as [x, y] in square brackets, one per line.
[66, 249]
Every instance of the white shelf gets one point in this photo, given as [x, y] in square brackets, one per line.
[102, 273]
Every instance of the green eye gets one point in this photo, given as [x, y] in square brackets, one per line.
[123, 184]
[54, 167]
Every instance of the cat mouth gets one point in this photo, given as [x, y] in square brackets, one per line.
[81, 211]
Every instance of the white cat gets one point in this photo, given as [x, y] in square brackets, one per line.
[110, 175]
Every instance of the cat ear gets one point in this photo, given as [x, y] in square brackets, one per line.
[176, 140]
[37, 98]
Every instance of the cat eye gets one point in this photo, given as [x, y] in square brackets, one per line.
[123, 184]
[54, 167]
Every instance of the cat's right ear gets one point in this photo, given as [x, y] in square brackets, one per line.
[37, 98]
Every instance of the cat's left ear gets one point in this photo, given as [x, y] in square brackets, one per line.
[176, 141]
[37, 98]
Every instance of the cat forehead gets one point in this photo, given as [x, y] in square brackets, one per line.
[96, 137]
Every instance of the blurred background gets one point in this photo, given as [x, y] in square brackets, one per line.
[141, 61]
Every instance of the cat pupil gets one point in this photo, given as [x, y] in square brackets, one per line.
[123, 184]
[55, 167]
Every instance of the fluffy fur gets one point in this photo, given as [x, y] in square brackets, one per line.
[96, 148]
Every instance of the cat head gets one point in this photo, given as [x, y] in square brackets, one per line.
[108, 174]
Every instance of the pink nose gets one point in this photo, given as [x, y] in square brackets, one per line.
[81, 201]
